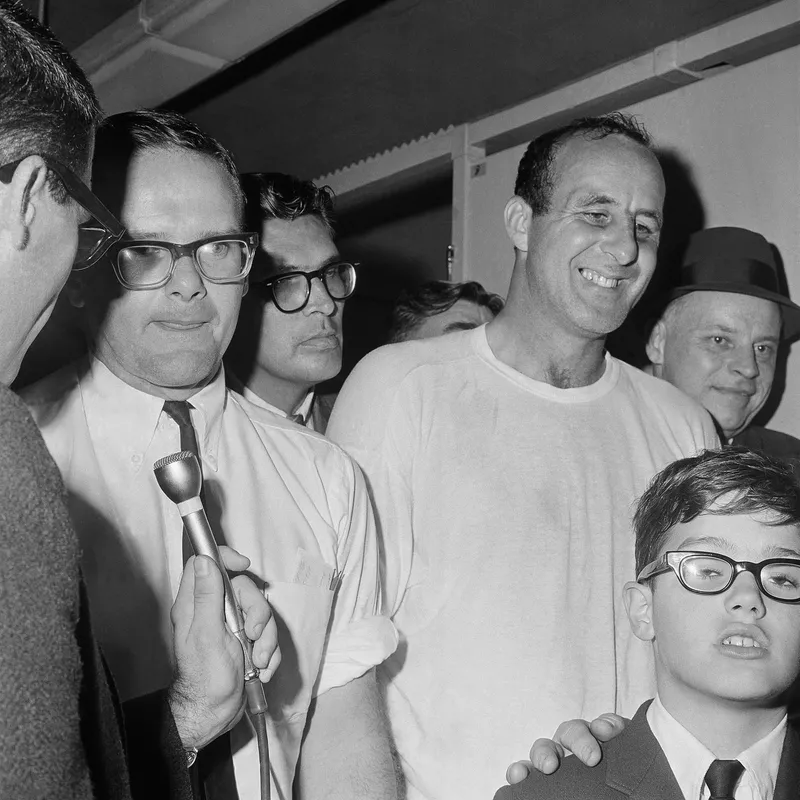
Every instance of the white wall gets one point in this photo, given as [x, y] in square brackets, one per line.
[739, 133]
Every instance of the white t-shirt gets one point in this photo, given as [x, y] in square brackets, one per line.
[504, 507]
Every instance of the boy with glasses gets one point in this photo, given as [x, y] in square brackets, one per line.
[289, 336]
[718, 596]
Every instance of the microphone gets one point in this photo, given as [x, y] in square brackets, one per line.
[180, 479]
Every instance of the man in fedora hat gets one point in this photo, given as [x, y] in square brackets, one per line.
[717, 339]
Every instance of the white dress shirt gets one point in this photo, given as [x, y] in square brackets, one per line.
[288, 499]
[690, 759]
[303, 410]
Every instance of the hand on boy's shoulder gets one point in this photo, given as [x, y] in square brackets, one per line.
[572, 781]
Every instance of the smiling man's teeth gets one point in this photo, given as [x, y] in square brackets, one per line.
[741, 641]
[594, 277]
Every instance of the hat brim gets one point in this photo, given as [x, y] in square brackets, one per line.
[789, 311]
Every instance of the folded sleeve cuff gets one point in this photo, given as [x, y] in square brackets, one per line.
[351, 652]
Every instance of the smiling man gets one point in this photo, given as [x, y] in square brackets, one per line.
[289, 336]
[717, 339]
[504, 462]
[160, 313]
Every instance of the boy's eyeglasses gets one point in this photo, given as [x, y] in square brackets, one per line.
[149, 264]
[712, 573]
[95, 236]
[290, 291]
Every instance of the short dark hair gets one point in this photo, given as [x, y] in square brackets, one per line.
[123, 135]
[535, 179]
[414, 306]
[47, 105]
[744, 481]
[275, 195]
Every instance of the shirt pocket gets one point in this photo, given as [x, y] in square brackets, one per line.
[302, 614]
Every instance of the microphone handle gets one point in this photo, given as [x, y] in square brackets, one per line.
[195, 523]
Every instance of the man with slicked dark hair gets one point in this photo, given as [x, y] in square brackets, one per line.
[289, 337]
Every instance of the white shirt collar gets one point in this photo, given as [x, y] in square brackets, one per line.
[131, 415]
[690, 759]
[303, 409]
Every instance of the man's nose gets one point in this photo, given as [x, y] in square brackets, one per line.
[186, 281]
[319, 299]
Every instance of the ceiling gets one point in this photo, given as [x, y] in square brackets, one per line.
[368, 75]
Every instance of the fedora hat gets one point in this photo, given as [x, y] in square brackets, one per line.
[739, 261]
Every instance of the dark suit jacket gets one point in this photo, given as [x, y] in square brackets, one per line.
[61, 734]
[634, 766]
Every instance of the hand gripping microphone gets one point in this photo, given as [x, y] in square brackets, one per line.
[180, 479]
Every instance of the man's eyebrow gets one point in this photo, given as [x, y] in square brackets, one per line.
[281, 266]
[160, 236]
[721, 327]
[593, 199]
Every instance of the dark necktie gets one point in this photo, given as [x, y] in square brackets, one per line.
[722, 777]
[214, 762]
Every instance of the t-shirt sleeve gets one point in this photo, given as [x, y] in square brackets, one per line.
[373, 424]
[360, 635]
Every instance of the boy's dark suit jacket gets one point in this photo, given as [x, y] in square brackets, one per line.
[634, 766]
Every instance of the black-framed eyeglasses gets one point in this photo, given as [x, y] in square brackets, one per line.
[94, 236]
[150, 263]
[713, 573]
[290, 291]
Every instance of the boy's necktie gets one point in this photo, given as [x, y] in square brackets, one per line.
[722, 777]
[214, 762]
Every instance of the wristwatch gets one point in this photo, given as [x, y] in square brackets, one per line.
[191, 757]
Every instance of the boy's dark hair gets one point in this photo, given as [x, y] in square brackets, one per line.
[750, 482]
[274, 195]
[414, 306]
[121, 136]
[535, 179]
[47, 105]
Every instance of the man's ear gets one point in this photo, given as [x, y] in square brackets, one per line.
[638, 600]
[517, 216]
[656, 344]
[23, 200]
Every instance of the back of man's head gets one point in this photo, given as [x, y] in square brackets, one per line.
[415, 306]
[122, 136]
[275, 195]
[729, 481]
[47, 106]
[535, 178]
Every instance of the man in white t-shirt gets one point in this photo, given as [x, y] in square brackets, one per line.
[504, 461]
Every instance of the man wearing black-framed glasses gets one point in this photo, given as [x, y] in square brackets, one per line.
[160, 308]
[289, 336]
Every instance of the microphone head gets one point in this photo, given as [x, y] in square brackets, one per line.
[179, 476]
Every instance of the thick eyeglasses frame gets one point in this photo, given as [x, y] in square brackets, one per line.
[111, 229]
[265, 287]
[673, 559]
[177, 251]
